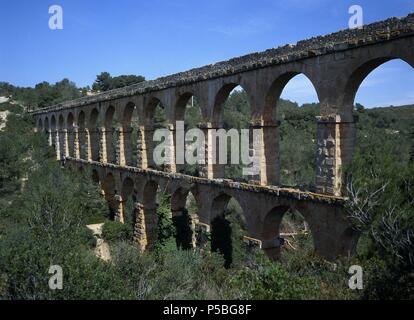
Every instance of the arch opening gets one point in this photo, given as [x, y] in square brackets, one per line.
[155, 118]
[285, 229]
[40, 125]
[62, 137]
[128, 195]
[184, 215]
[188, 109]
[71, 136]
[381, 96]
[109, 188]
[93, 134]
[232, 112]
[110, 134]
[82, 135]
[228, 226]
[293, 104]
[130, 127]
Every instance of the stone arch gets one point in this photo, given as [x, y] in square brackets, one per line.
[182, 113]
[46, 126]
[82, 135]
[223, 95]
[92, 125]
[53, 122]
[150, 117]
[62, 136]
[220, 99]
[70, 122]
[271, 231]
[274, 143]
[54, 133]
[147, 220]
[61, 123]
[149, 109]
[109, 188]
[275, 90]
[109, 120]
[180, 105]
[129, 134]
[127, 115]
[128, 199]
[221, 228]
[40, 125]
[184, 220]
[359, 74]
[95, 176]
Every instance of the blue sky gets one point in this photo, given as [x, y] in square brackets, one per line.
[160, 37]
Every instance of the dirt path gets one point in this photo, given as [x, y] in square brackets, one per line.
[102, 247]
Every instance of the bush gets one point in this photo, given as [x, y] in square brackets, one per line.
[113, 231]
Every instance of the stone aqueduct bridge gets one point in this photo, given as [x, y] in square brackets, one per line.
[336, 64]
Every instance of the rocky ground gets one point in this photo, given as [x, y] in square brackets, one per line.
[102, 247]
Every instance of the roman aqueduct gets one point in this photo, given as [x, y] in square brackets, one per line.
[83, 130]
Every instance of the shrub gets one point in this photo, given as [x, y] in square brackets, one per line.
[116, 231]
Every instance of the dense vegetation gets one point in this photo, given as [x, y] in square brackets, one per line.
[42, 226]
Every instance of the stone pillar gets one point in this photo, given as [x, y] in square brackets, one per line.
[120, 147]
[171, 166]
[102, 146]
[65, 142]
[335, 146]
[266, 151]
[88, 144]
[57, 144]
[109, 139]
[119, 210]
[145, 147]
[141, 149]
[76, 149]
[146, 227]
[272, 247]
[210, 170]
[128, 146]
[50, 138]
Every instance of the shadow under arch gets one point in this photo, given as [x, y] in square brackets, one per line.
[130, 129]
[183, 217]
[271, 231]
[93, 134]
[81, 135]
[109, 134]
[228, 225]
[40, 125]
[128, 200]
[109, 188]
[62, 136]
[70, 122]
